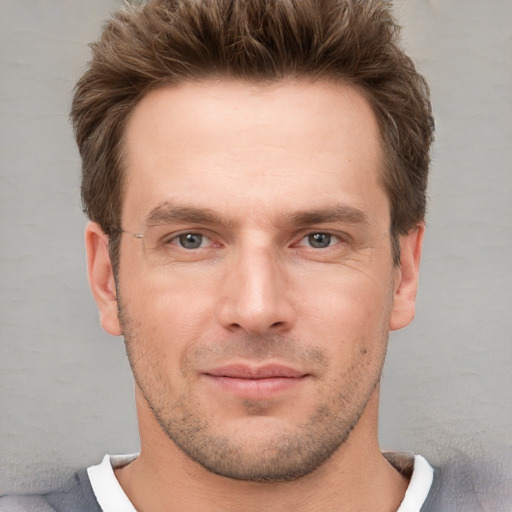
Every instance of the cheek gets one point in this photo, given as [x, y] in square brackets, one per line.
[349, 300]
[168, 309]
[350, 317]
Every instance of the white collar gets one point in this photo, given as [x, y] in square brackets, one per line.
[106, 487]
[419, 486]
[112, 498]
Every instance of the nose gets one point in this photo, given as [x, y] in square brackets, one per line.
[255, 294]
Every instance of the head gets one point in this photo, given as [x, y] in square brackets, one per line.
[161, 43]
[273, 156]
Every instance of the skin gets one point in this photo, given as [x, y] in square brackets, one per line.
[280, 184]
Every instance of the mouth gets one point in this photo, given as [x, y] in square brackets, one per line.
[256, 382]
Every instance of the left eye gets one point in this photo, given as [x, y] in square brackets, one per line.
[319, 240]
[191, 240]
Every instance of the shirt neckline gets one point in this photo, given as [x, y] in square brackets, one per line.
[112, 498]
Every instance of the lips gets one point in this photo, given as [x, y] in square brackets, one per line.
[240, 371]
[255, 382]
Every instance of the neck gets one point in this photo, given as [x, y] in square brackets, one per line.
[356, 477]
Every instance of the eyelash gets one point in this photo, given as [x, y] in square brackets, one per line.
[327, 234]
[175, 240]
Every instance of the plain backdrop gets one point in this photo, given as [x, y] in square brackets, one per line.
[66, 393]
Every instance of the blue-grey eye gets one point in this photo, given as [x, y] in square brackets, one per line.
[319, 240]
[190, 240]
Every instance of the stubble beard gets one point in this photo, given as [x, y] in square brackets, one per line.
[287, 455]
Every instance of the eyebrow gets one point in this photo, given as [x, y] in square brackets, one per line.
[168, 213]
[338, 213]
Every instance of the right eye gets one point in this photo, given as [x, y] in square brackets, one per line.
[191, 241]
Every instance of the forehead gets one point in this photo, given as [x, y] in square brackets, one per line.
[251, 145]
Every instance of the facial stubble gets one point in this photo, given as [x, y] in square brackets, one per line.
[289, 453]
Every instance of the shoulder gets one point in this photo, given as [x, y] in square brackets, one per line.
[472, 484]
[24, 503]
[76, 495]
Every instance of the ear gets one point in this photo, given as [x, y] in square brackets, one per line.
[101, 278]
[406, 280]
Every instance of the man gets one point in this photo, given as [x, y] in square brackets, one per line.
[255, 175]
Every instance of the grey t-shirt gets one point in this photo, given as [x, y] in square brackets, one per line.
[462, 485]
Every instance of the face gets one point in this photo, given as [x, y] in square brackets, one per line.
[257, 295]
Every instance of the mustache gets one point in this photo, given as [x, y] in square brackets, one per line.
[249, 347]
[258, 348]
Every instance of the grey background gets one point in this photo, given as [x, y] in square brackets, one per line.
[66, 393]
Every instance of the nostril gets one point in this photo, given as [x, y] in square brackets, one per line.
[256, 328]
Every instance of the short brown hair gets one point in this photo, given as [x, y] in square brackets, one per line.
[165, 42]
